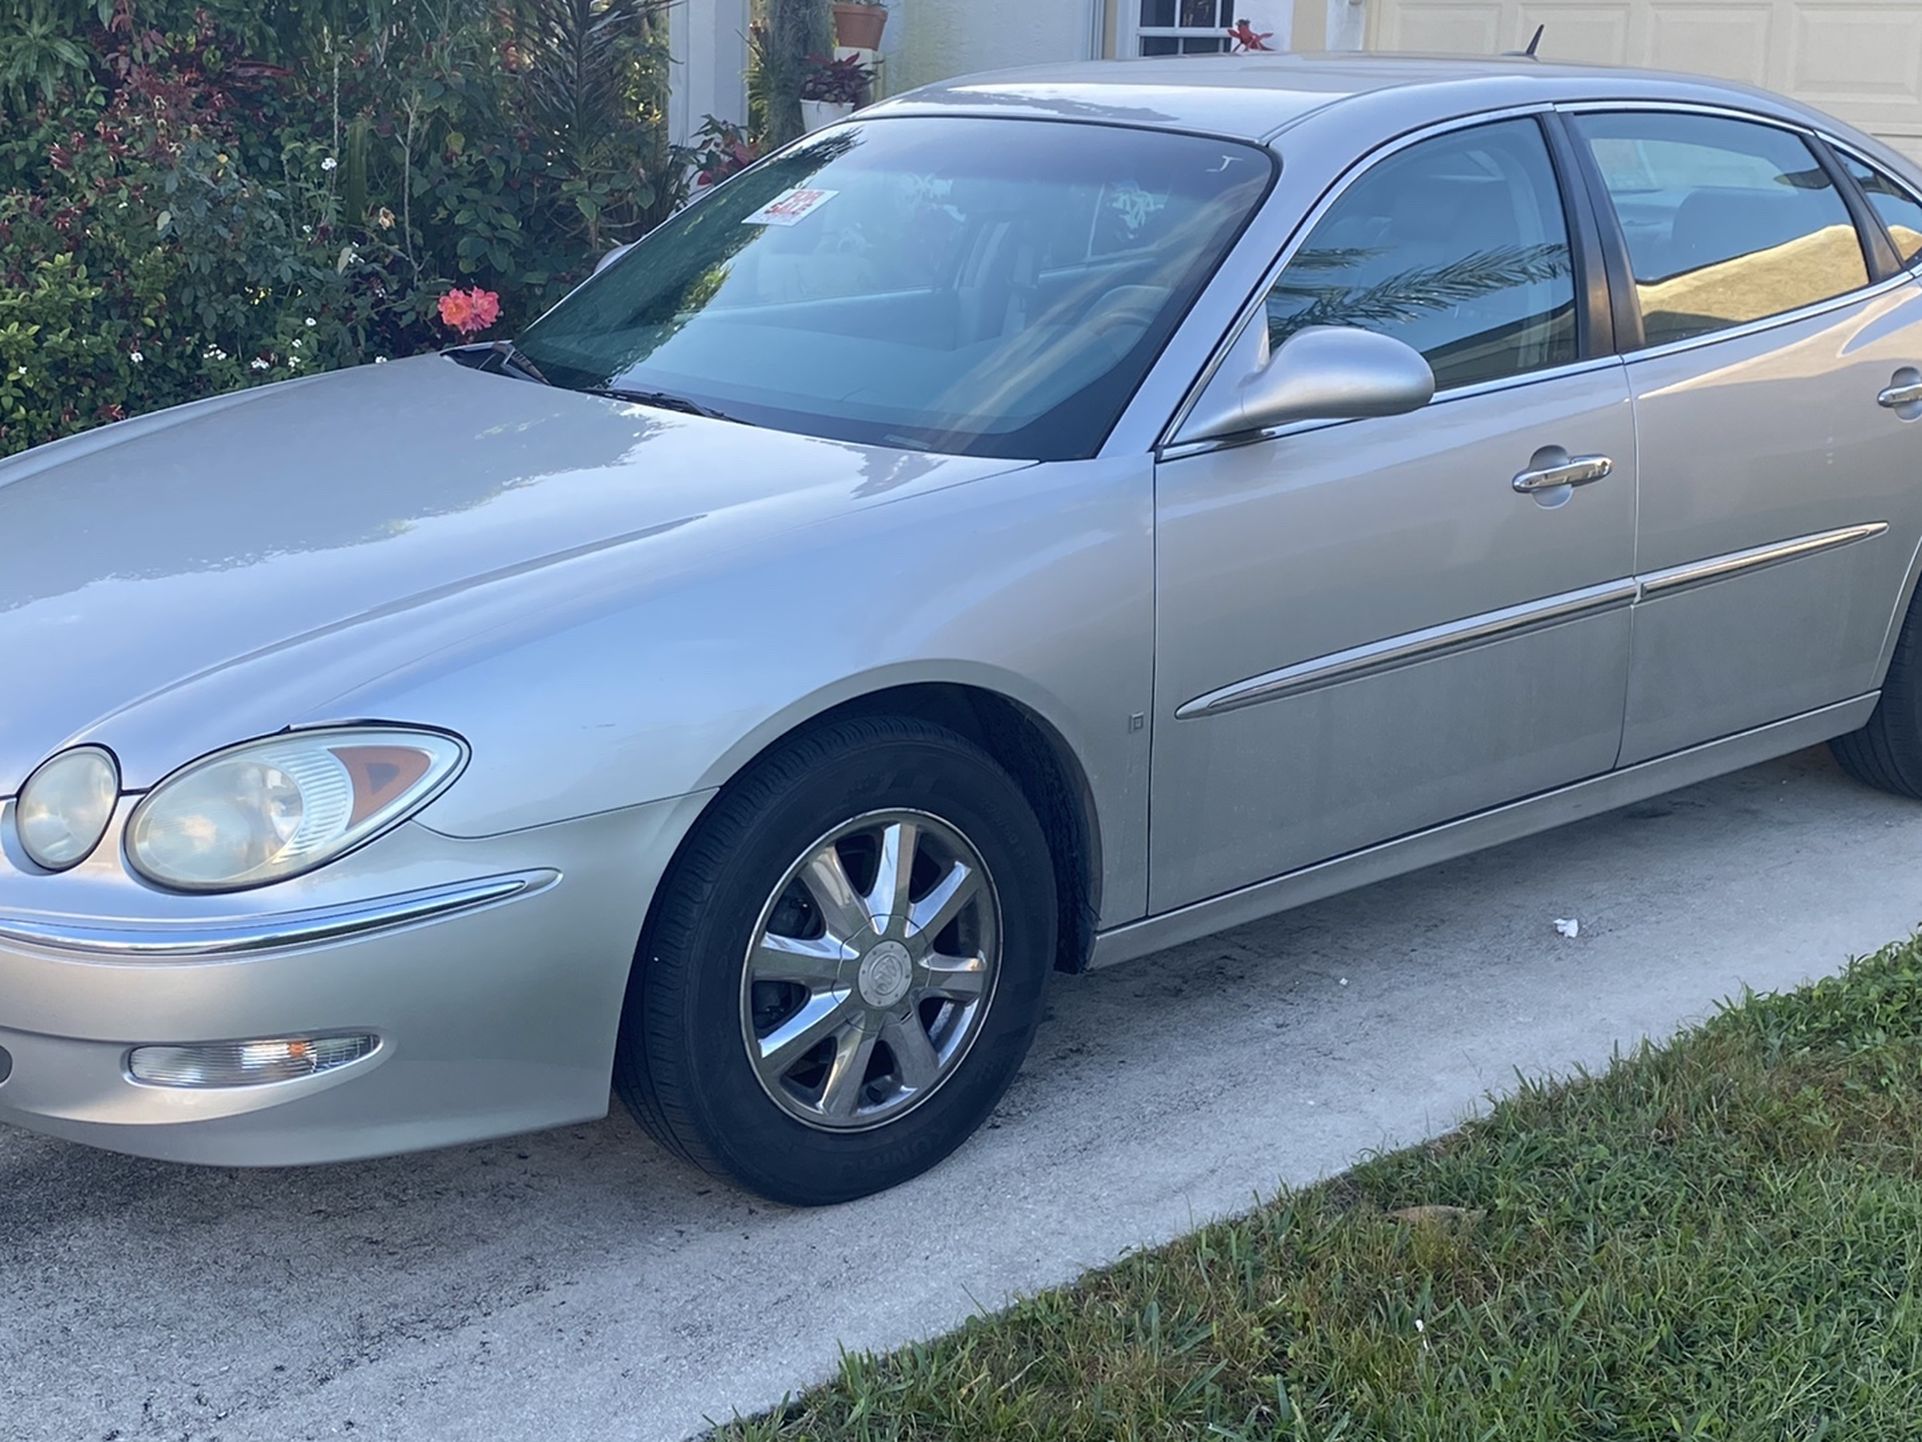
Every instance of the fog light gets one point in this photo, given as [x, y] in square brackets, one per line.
[246, 1063]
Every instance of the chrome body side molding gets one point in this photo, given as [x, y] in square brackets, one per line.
[1484, 829]
[229, 936]
[1414, 646]
[1404, 650]
[1716, 568]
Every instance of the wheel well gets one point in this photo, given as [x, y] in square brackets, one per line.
[1042, 764]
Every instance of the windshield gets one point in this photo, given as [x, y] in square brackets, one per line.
[976, 287]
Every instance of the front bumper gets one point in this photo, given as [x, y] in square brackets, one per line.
[492, 972]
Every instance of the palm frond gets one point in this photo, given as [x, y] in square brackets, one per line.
[1408, 294]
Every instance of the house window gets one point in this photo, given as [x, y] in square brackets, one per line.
[1177, 27]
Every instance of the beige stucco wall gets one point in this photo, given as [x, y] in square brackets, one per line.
[935, 39]
[941, 38]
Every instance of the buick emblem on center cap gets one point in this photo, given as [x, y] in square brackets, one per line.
[886, 973]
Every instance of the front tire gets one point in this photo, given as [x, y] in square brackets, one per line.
[845, 965]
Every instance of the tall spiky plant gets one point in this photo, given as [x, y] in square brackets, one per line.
[583, 62]
[592, 73]
[792, 31]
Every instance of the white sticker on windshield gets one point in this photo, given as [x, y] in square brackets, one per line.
[791, 207]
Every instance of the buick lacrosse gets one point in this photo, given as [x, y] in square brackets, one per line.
[1049, 517]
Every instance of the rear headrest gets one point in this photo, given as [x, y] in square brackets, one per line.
[1718, 223]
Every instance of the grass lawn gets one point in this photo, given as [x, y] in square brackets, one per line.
[1721, 1238]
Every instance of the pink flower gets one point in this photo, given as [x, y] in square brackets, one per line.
[470, 311]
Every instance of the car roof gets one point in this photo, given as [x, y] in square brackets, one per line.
[1258, 96]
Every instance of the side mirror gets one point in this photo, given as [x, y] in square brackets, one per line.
[613, 255]
[1324, 373]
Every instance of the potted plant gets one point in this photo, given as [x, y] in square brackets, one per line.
[858, 23]
[831, 89]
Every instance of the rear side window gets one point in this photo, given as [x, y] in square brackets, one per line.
[1726, 221]
[1456, 245]
[1901, 212]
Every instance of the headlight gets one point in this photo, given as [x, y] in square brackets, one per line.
[65, 806]
[267, 810]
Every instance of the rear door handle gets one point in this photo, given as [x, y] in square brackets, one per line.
[1551, 472]
[1897, 396]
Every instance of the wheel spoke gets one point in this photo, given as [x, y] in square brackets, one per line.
[915, 1061]
[820, 1016]
[933, 913]
[811, 963]
[879, 969]
[956, 978]
[841, 906]
[842, 1091]
[889, 895]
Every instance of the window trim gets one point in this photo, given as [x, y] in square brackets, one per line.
[1598, 325]
[1167, 449]
[1840, 149]
[1617, 245]
[1878, 250]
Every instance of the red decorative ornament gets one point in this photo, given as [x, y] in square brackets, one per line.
[1246, 37]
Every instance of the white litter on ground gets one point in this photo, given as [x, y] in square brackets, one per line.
[1568, 926]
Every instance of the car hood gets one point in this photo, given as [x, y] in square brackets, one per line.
[192, 578]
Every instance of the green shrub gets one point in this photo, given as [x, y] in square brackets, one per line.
[221, 194]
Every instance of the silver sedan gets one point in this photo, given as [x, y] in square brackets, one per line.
[1049, 517]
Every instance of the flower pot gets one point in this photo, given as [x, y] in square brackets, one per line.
[817, 113]
[859, 27]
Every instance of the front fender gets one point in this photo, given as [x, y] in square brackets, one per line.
[1036, 584]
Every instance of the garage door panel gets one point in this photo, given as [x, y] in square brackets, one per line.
[1733, 42]
[1581, 32]
[1467, 29]
[1860, 60]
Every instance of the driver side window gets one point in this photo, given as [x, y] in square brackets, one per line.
[1456, 245]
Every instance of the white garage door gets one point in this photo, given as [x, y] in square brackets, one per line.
[1857, 59]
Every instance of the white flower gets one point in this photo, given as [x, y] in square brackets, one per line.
[258, 364]
[215, 353]
[296, 343]
[306, 230]
[329, 163]
[135, 356]
[311, 322]
[379, 360]
[22, 371]
[293, 362]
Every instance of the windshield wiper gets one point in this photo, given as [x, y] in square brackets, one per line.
[499, 355]
[663, 400]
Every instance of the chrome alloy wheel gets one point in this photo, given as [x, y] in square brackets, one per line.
[871, 970]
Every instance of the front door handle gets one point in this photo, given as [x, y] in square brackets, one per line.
[1552, 468]
[1903, 393]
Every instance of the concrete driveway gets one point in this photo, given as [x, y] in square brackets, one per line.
[577, 1284]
